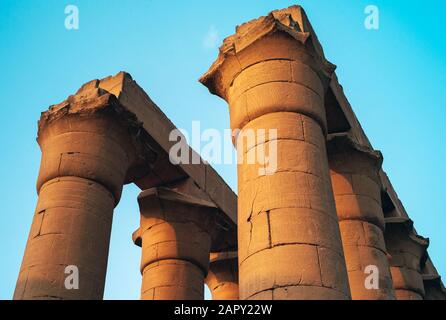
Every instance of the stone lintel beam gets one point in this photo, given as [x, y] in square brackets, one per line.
[175, 236]
[222, 278]
[354, 173]
[408, 253]
[274, 76]
[158, 127]
[89, 145]
[201, 176]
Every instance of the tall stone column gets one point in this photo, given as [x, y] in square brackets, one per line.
[408, 255]
[87, 148]
[175, 237]
[274, 77]
[357, 189]
[222, 278]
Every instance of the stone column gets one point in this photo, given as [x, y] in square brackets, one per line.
[357, 189]
[86, 148]
[175, 236]
[222, 278]
[408, 255]
[274, 77]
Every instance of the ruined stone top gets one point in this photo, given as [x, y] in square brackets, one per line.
[292, 21]
[88, 100]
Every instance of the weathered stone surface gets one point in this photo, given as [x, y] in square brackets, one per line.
[305, 293]
[296, 266]
[433, 286]
[107, 134]
[222, 278]
[172, 280]
[408, 257]
[407, 295]
[274, 77]
[175, 237]
[80, 181]
[354, 174]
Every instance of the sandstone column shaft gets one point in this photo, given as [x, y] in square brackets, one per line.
[222, 278]
[289, 240]
[175, 236]
[85, 157]
[408, 254]
[357, 191]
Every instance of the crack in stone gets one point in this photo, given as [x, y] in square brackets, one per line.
[280, 81]
[249, 220]
[42, 212]
[269, 228]
[285, 286]
[285, 171]
[319, 264]
[275, 245]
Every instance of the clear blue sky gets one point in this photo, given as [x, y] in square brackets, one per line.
[394, 78]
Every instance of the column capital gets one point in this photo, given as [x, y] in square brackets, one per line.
[93, 121]
[295, 41]
[348, 156]
[157, 202]
[408, 253]
[155, 199]
[401, 237]
[342, 142]
[88, 101]
[178, 218]
[223, 237]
